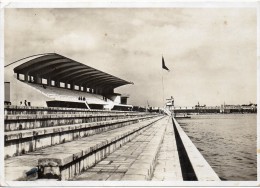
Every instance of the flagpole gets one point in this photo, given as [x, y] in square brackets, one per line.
[162, 88]
[166, 68]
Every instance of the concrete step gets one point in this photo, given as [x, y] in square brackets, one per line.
[134, 161]
[21, 142]
[62, 116]
[93, 148]
[33, 121]
[23, 110]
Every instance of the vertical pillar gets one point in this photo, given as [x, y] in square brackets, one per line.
[49, 81]
[26, 77]
[38, 80]
[72, 85]
[101, 91]
[7, 92]
[57, 83]
[84, 88]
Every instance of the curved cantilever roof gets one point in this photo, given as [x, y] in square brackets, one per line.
[62, 69]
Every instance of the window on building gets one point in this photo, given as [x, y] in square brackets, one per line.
[44, 81]
[62, 84]
[76, 87]
[21, 77]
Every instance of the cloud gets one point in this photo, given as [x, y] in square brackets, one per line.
[77, 41]
[211, 52]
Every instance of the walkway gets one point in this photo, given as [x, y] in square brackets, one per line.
[152, 155]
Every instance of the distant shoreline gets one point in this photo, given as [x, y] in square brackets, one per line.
[192, 114]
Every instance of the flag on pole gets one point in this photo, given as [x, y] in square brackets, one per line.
[164, 66]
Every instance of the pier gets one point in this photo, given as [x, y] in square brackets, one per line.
[90, 145]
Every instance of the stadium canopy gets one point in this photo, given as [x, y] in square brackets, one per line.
[58, 68]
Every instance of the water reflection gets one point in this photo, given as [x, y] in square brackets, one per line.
[228, 143]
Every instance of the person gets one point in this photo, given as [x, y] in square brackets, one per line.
[21, 103]
[25, 102]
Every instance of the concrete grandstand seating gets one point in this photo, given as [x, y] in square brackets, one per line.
[25, 118]
[19, 167]
[89, 152]
[31, 128]
[21, 142]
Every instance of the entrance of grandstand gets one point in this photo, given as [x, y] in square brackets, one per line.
[67, 104]
[122, 107]
[96, 106]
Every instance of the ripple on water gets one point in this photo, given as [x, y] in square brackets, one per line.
[228, 143]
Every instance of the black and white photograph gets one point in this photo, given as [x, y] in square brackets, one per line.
[156, 94]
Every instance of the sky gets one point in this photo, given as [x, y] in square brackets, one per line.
[211, 52]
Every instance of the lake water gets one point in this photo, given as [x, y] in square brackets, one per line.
[227, 142]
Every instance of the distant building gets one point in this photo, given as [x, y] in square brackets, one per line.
[244, 108]
[170, 103]
[224, 108]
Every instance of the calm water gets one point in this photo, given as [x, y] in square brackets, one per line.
[227, 142]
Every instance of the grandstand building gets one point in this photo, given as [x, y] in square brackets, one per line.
[53, 80]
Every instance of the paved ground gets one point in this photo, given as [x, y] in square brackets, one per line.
[154, 148]
[168, 165]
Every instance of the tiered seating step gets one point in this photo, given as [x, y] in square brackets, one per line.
[64, 155]
[21, 142]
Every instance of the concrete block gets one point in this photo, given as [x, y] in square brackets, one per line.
[134, 178]
[115, 177]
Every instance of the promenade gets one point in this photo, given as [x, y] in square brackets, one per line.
[134, 161]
